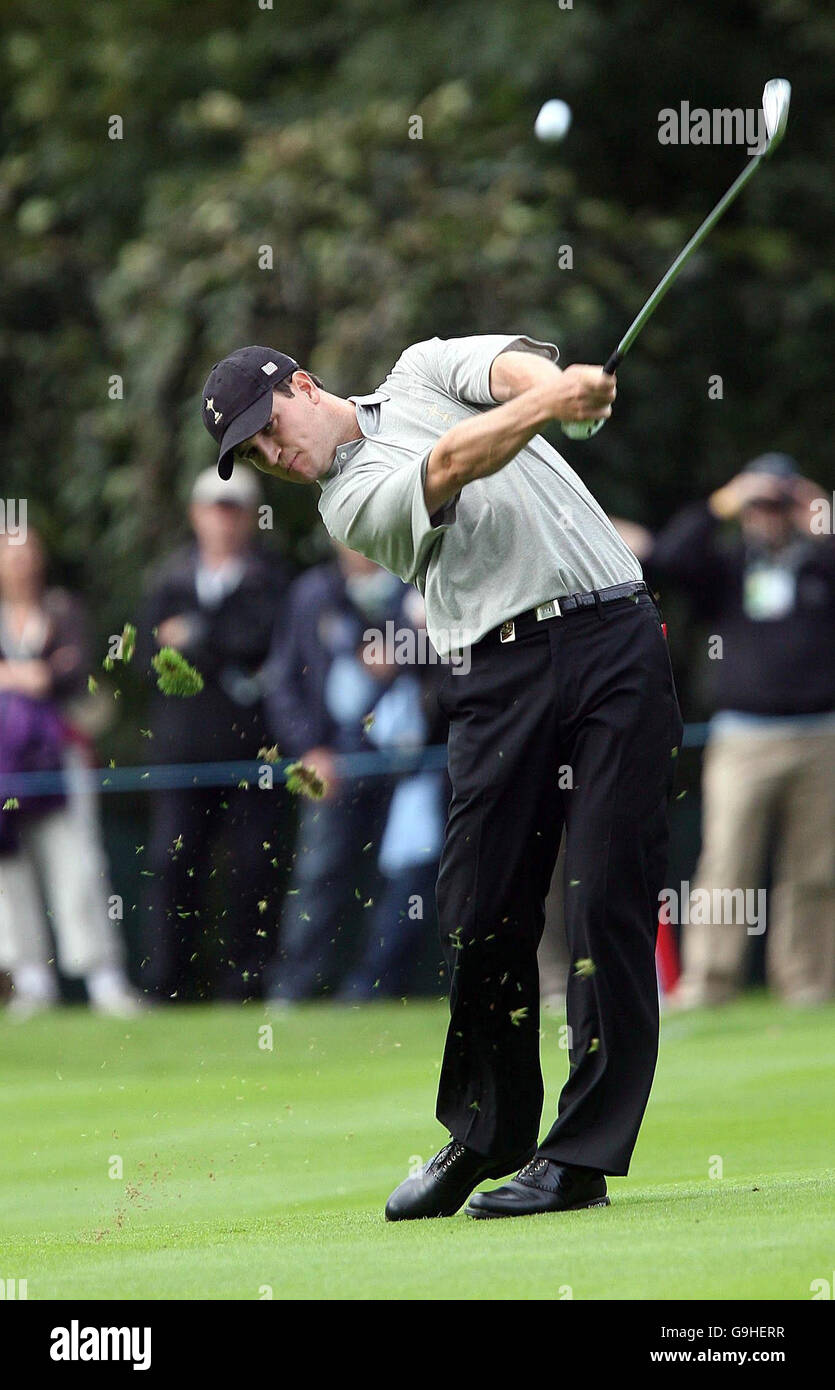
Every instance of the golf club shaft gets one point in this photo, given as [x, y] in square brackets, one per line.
[661, 289]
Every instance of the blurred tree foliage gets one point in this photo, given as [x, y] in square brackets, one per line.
[247, 128]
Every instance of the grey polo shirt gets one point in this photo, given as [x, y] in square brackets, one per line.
[503, 544]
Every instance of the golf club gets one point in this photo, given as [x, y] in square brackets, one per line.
[776, 98]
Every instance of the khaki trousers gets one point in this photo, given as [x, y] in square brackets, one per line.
[763, 790]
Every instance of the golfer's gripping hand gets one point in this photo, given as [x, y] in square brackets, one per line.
[585, 393]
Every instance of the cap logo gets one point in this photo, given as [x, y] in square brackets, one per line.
[269, 367]
[210, 405]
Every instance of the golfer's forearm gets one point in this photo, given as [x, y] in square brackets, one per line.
[511, 373]
[481, 446]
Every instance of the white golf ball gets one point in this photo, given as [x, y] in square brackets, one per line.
[553, 121]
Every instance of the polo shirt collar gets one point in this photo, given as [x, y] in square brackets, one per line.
[345, 452]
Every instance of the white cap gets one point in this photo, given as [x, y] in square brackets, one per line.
[242, 488]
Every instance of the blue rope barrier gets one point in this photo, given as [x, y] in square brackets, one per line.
[169, 776]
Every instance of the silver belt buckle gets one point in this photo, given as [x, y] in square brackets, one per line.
[507, 632]
[551, 609]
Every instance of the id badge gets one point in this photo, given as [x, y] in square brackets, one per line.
[768, 592]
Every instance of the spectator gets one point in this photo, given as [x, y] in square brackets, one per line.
[769, 775]
[405, 920]
[217, 601]
[320, 689]
[50, 846]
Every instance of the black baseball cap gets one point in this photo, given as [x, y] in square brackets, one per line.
[238, 396]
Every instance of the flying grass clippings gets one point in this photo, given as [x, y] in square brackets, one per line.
[302, 780]
[128, 641]
[175, 676]
[125, 647]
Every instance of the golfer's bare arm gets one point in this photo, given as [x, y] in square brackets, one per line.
[532, 391]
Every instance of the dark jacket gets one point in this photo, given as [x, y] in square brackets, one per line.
[321, 623]
[229, 646]
[782, 665]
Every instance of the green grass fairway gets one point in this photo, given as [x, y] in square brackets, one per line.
[245, 1168]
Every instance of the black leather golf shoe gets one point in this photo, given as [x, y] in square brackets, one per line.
[542, 1186]
[444, 1183]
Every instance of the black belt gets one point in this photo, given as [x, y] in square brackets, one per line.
[562, 607]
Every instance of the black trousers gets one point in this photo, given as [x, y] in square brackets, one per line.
[575, 724]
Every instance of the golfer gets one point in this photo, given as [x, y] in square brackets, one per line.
[563, 715]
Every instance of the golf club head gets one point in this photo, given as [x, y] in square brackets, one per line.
[776, 98]
[582, 429]
[775, 104]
